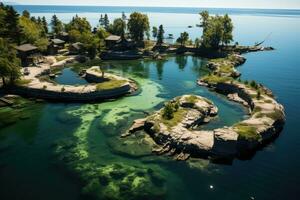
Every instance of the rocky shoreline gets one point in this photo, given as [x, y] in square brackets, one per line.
[241, 140]
[178, 136]
[102, 87]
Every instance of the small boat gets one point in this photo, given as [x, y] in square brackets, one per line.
[170, 36]
[190, 26]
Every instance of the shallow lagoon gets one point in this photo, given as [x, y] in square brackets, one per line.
[28, 163]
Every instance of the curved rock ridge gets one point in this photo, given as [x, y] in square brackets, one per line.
[266, 120]
[103, 86]
[181, 140]
[177, 135]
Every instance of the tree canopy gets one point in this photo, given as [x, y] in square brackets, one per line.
[217, 30]
[9, 23]
[33, 32]
[160, 35]
[118, 27]
[138, 26]
[104, 21]
[9, 63]
[184, 37]
[79, 24]
[154, 32]
[56, 25]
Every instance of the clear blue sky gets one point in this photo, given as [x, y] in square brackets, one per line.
[294, 4]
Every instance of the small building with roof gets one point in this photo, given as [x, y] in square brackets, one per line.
[112, 40]
[27, 53]
[55, 45]
[63, 36]
[76, 48]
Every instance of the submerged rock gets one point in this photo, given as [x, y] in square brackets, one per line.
[135, 145]
[120, 181]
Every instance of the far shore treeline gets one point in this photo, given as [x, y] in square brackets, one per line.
[17, 29]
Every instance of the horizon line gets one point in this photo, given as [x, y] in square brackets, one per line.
[84, 5]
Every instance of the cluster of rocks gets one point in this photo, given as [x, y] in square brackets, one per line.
[179, 139]
[230, 62]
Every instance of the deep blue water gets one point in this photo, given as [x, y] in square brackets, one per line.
[116, 9]
[273, 173]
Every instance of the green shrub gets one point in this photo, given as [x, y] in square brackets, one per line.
[168, 111]
[21, 82]
[247, 132]
[258, 95]
[253, 84]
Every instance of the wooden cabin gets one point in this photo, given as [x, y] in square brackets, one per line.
[28, 54]
[76, 48]
[55, 45]
[112, 40]
[63, 36]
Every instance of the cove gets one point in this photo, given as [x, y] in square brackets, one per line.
[97, 127]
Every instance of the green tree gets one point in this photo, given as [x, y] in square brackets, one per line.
[184, 37]
[9, 63]
[118, 27]
[26, 13]
[197, 42]
[57, 25]
[101, 34]
[228, 28]
[33, 33]
[204, 15]
[45, 24]
[154, 32]
[11, 28]
[101, 21]
[90, 43]
[138, 25]
[216, 30]
[160, 35]
[124, 17]
[106, 22]
[79, 24]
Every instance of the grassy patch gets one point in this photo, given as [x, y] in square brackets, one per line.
[21, 82]
[226, 69]
[216, 79]
[277, 114]
[268, 101]
[177, 118]
[111, 84]
[191, 99]
[247, 132]
[60, 58]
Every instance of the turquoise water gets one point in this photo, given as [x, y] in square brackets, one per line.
[69, 77]
[28, 165]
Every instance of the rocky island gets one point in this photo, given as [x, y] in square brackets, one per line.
[176, 133]
[102, 86]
